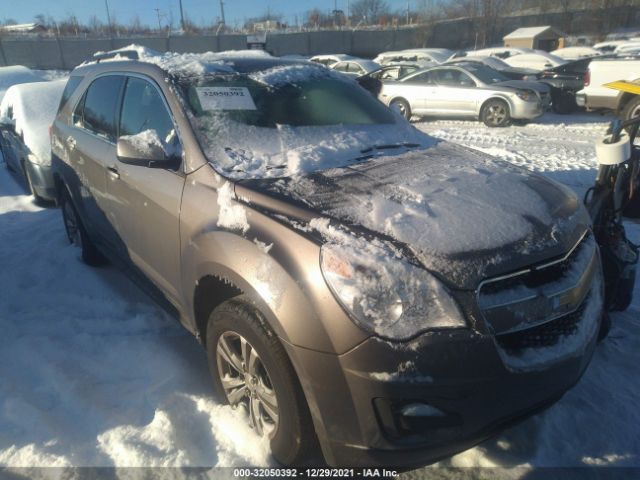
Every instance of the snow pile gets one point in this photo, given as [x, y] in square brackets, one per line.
[186, 63]
[147, 142]
[231, 215]
[33, 107]
[14, 75]
[93, 372]
[292, 74]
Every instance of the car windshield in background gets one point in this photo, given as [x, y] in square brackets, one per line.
[485, 74]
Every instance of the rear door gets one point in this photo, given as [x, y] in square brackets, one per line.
[144, 202]
[91, 146]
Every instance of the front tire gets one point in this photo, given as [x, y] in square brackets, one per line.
[250, 367]
[402, 106]
[495, 113]
[631, 110]
[77, 234]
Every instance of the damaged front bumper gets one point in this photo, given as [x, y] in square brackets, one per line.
[407, 404]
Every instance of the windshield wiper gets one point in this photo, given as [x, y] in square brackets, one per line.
[389, 146]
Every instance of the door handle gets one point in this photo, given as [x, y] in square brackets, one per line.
[113, 172]
[71, 142]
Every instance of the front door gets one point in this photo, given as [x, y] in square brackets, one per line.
[144, 201]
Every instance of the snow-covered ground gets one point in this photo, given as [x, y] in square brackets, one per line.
[92, 373]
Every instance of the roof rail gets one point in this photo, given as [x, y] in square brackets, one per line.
[130, 54]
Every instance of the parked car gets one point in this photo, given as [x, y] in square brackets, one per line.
[26, 113]
[536, 61]
[14, 75]
[497, 63]
[500, 52]
[435, 56]
[595, 96]
[394, 71]
[351, 278]
[355, 67]
[576, 53]
[329, 60]
[565, 81]
[467, 90]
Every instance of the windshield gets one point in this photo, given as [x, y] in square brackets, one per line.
[486, 74]
[287, 120]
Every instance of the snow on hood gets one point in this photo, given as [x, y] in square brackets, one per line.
[34, 108]
[462, 213]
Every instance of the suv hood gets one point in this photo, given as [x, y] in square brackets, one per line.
[463, 214]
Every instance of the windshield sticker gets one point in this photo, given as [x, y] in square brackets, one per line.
[225, 98]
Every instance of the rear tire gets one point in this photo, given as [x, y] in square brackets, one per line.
[403, 107]
[77, 234]
[257, 373]
[495, 113]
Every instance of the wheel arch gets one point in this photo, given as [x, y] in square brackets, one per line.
[503, 98]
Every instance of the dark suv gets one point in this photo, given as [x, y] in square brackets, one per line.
[356, 283]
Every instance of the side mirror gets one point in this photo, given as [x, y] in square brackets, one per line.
[145, 151]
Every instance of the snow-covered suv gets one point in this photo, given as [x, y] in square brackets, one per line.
[353, 280]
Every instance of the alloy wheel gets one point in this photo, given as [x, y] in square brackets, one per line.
[246, 381]
[496, 114]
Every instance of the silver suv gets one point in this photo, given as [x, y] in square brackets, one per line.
[356, 283]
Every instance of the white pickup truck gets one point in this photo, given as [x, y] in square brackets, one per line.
[595, 96]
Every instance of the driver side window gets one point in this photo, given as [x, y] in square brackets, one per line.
[143, 109]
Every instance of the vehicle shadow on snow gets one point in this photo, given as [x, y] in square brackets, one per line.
[93, 372]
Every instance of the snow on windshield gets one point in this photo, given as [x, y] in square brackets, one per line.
[290, 120]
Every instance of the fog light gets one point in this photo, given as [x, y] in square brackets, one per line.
[421, 410]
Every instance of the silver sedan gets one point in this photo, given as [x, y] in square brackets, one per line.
[467, 90]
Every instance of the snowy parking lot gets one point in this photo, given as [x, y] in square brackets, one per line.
[95, 374]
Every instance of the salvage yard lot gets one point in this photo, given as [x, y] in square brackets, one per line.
[94, 374]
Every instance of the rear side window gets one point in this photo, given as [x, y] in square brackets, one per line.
[71, 86]
[100, 105]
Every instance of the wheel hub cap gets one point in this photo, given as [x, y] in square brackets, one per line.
[246, 382]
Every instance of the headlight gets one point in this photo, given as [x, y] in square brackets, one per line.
[525, 95]
[387, 295]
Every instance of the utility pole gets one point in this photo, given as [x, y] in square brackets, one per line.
[158, 14]
[222, 12]
[181, 16]
[407, 12]
[106, 4]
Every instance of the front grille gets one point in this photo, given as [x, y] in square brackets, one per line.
[541, 294]
[545, 335]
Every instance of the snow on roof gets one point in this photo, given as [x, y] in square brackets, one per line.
[16, 74]
[182, 63]
[527, 32]
[34, 107]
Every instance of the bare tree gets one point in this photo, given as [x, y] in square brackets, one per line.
[369, 10]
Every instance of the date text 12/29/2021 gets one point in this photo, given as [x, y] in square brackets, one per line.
[314, 473]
